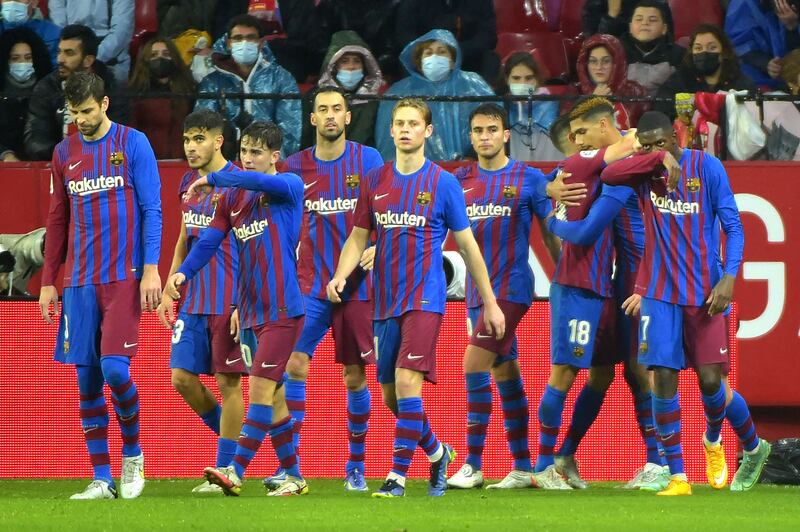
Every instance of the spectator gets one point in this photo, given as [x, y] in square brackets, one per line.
[762, 32]
[434, 64]
[710, 65]
[609, 16]
[293, 49]
[350, 65]
[14, 14]
[529, 121]
[471, 21]
[47, 121]
[24, 60]
[781, 120]
[603, 71]
[111, 20]
[244, 68]
[652, 56]
[159, 68]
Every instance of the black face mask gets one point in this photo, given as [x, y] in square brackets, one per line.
[161, 67]
[706, 63]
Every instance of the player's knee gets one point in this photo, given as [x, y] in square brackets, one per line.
[355, 378]
[709, 382]
[229, 384]
[600, 378]
[297, 367]
[115, 372]
[183, 381]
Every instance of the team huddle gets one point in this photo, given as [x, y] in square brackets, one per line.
[267, 262]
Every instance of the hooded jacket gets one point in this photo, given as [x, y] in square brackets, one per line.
[267, 76]
[450, 138]
[626, 114]
[363, 112]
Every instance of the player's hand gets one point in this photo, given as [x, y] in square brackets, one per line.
[150, 288]
[494, 320]
[632, 305]
[47, 295]
[235, 325]
[166, 311]
[171, 288]
[721, 295]
[193, 188]
[568, 194]
[368, 258]
[673, 171]
[335, 287]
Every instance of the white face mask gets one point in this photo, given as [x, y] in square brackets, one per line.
[436, 67]
[21, 72]
[521, 89]
[14, 12]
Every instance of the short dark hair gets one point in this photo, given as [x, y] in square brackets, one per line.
[653, 121]
[81, 86]
[490, 109]
[322, 89]
[265, 133]
[525, 59]
[246, 20]
[591, 108]
[560, 129]
[204, 119]
[88, 38]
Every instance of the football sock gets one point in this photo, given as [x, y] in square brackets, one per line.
[408, 428]
[738, 416]
[226, 449]
[479, 409]
[587, 407]
[296, 401]
[668, 422]
[116, 372]
[643, 404]
[427, 440]
[516, 419]
[94, 420]
[282, 441]
[358, 409]
[255, 428]
[551, 410]
[211, 418]
[714, 409]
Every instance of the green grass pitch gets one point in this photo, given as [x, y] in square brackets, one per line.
[169, 505]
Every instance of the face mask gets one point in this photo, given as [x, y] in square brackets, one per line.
[14, 12]
[21, 71]
[705, 63]
[161, 67]
[349, 78]
[521, 89]
[436, 67]
[244, 53]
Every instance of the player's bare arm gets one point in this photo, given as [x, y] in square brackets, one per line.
[673, 168]
[721, 295]
[193, 188]
[569, 194]
[173, 283]
[352, 251]
[627, 145]
[551, 241]
[235, 327]
[165, 310]
[150, 288]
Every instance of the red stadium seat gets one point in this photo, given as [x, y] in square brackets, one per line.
[547, 48]
[570, 22]
[518, 16]
[43, 8]
[145, 25]
[689, 13]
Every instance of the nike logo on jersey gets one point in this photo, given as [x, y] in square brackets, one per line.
[468, 190]
[723, 351]
[265, 365]
[128, 346]
[309, 185]
[380, 196]
[414, 357]
[73, 166]
[365, 355]
[236, 213]
[479, 335]
[228, 361]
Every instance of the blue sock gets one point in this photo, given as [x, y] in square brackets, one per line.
[739, 417]
[226, 449]
[643, 404]
[255, 428]
[479, 409]
[587, 407]
[668, 422]
[296, 401]
[211, 418]
[116, 372]
[359, 404]
[516, 418]
[551, 410]
[94, 420]
[407, 432]
[282, 441]
[714, 409]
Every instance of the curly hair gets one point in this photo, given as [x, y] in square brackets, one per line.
[41, 57]
[592, 107]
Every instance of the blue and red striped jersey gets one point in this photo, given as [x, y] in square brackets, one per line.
[682, 261]
[500, 206]
[105, 209]
[411, 215]
[213, 289]
[329, 204]
[628, 244]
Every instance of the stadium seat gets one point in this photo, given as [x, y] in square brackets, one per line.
[569, 21]
[520, 16]
[145, 25]
[689, 13]
[547, 48]
[43, 8]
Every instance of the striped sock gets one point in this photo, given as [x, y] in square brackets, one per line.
[94, 420]
[254, 430]
[407, 430]
[714, 409]
[225, 450]
[358, 408]
[516, 419]
[587, 407]
[551, 410]
[479, 408]
[211, 419]
[739, 417]
[281, 435]
[428, 441]
[668, 422]
[296, 401]
[125, 397]
[643, 404]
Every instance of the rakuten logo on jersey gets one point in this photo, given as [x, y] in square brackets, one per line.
[251, 230]
[676, 207]
[391, 219]
[482, 212]
[335, 206]
[87, 186]
[196, 219]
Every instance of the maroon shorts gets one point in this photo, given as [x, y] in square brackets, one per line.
[120, 308]
[479, 337]
[351, 323]
[607, 350]
[276, 341]
[705, 338]
[409, 342]
[226, 355]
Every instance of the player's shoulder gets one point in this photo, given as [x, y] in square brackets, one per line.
[187, 179]
[466, 171]
[294, 161]
[374, 175]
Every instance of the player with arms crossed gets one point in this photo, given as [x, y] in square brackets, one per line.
[203, 339]
[502, 199]
[685, 289]
[331, 172]
[264, 214]
[104, 224]
[411, 204]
